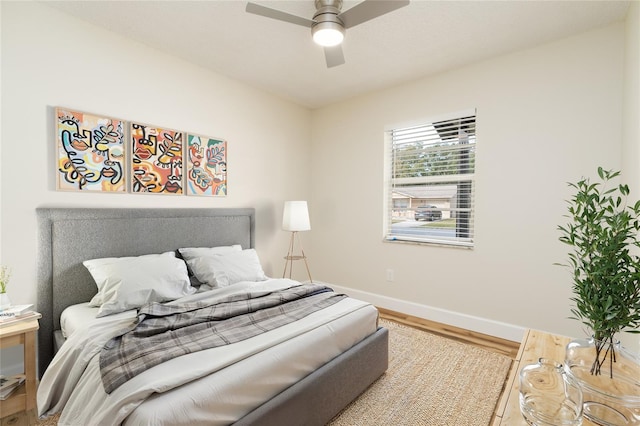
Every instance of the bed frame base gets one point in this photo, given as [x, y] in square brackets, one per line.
[317, 398]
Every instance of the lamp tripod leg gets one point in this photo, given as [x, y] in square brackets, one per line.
[304, 257]
[289, 257]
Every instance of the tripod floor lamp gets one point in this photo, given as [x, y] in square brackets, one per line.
[295, 219]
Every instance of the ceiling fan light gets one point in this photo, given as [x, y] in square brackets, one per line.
[328, 34]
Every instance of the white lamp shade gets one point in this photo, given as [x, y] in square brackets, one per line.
[296, 216]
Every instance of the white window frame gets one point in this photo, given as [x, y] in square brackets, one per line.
[455, 187]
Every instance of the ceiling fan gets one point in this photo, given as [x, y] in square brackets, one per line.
[328, 24]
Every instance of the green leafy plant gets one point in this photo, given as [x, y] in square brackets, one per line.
[5, 274]
[603, 231]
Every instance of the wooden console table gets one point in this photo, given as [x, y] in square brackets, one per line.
[535, 345]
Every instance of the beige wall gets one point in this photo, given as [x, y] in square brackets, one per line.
[1, 87]
[631, 131]
[631, 121]
[545, 116]
[51, 59]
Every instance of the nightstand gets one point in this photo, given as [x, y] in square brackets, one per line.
[20, 407]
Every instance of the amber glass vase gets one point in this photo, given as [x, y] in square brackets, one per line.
[611, 398]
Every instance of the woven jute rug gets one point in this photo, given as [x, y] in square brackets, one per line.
[431, 381]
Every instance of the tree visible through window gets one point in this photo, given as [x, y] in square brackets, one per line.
[431, 191]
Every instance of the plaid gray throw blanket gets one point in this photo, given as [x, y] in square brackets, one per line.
[164, 332]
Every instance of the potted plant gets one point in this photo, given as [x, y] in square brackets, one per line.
[603, 234]
[5, 274]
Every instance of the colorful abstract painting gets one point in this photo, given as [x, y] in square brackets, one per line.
[156, 160]
[90, 152]
[206, 166]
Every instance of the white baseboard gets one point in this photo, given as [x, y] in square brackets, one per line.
[456, 319]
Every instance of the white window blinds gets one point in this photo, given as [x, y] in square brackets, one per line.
[431, 191]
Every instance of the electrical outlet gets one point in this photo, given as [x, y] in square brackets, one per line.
[390, 274]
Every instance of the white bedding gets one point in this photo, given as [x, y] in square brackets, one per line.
[233, 380]
[79, 316]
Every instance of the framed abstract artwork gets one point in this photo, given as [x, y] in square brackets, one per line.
[90, 152]
[206, 166]
[156, 159]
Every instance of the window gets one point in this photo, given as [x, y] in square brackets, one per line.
[431, 182]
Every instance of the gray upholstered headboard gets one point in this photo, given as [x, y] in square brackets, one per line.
[68, 236]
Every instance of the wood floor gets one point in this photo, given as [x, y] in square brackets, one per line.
[495, 344]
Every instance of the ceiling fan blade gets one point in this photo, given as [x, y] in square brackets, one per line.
[257, 9]
[334, 56]
[369, 9]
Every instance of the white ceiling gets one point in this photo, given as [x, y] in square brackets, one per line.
[424, 38]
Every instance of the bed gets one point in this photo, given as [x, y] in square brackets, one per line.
[317, 390]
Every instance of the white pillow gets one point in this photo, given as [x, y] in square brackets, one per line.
[193, 252]
[228, 269]
[129, 282]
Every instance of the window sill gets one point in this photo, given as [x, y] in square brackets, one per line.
[453, 244]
